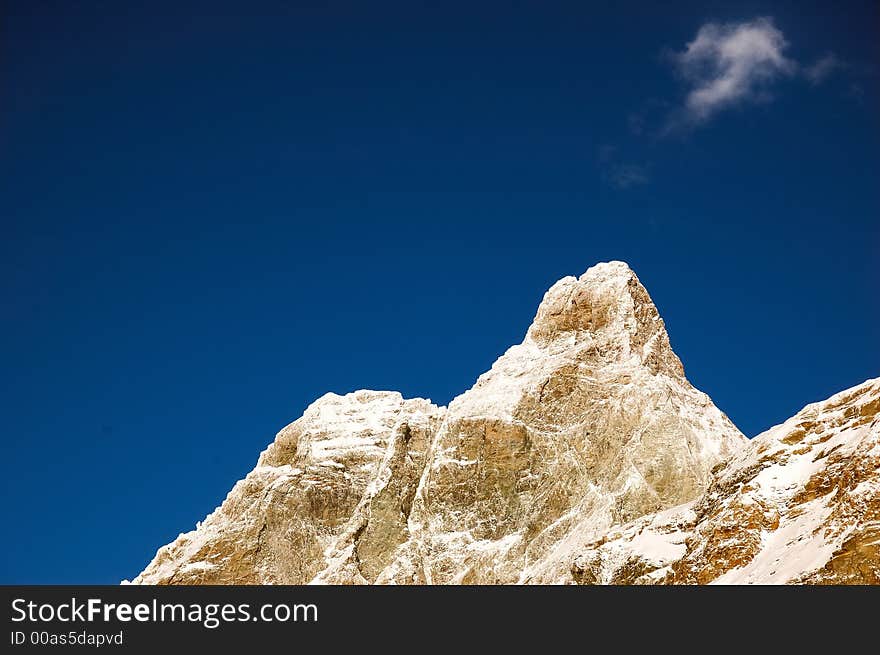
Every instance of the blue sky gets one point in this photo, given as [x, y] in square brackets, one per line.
[213, 213]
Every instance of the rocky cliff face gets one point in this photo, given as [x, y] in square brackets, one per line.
[311, 487]
[582, 434]
[800, 504]
[588, 423]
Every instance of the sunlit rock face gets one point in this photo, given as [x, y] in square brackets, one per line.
[588, 423]
[800, 504]
[313, 485]
[584, 430]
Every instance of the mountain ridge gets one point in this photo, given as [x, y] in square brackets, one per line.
[586, 427]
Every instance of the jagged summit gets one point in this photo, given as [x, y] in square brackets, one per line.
[357, 416]
[608, 307]
[601, 323]
[589, 422]
[585, 426]
[608, 299]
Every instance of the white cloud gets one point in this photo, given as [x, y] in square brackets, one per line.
[621, 174]
[625, 176]
[819, 71]
[731, 63]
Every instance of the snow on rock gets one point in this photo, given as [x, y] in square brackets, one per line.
[277, 523]
[583, 455]
[800, 504]
[588, 423]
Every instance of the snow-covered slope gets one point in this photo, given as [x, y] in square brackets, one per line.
[800, 504]
[583, 455]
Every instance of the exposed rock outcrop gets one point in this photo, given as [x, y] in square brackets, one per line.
[583, 455]
[800, 504]
[318, 481]
[588, 423]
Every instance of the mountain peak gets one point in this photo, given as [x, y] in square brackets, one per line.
[583, 455]
[608, 310]
[612, 267]
[586, 424]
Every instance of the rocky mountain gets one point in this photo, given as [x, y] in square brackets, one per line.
[800, 504]
[583, 455]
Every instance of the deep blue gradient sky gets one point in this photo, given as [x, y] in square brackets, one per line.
[214, 213]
